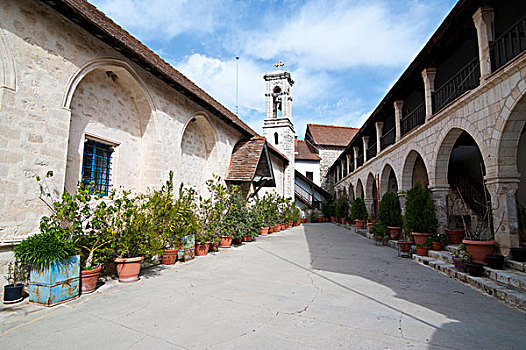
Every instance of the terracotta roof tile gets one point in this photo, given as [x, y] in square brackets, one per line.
[330, 135]
[305, 151]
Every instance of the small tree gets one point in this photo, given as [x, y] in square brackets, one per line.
[342, 207]
[420, 210]
[358, 210]
[389, 212]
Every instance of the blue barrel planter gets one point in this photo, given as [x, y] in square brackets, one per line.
[55, 284]
[188, 251]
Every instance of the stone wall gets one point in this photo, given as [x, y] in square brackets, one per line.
[328, 156]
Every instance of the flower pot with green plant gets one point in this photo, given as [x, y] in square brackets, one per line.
[16, 275]
[438, 241]
[359, 212]
[461, 257]
[380, 232]
[420, 218]
[421, 248]
[390, 214]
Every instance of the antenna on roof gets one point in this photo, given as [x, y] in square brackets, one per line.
[237, 85]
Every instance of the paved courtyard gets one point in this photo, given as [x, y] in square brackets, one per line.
[317, 286]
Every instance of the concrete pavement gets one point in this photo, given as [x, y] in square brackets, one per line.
[314, 286]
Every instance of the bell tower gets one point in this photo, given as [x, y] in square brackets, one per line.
[277, 127]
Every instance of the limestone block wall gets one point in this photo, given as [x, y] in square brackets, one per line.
[328, 156]
[55, 91]
[494, 114]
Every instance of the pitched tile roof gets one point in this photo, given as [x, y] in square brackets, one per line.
[305, 151]
[249, 159]
[330, 135]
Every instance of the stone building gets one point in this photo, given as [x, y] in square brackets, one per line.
[454, 121]
[82, 97]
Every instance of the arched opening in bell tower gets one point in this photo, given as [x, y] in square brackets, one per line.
[276, 96]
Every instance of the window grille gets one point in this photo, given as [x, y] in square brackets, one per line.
[96, 166]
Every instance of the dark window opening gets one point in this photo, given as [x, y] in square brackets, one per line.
[96, 166]
[309, 175]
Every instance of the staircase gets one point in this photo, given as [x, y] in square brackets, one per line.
[303, 195]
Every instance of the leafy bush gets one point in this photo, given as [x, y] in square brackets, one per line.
[42, 249]
[390, 212]
[420, 210]
[379, 229]
[342, 207]
[327, 208]
[358, 210]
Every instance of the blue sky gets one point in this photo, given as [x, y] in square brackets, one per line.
[343, 55]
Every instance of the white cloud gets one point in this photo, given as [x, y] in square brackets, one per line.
[164, 19]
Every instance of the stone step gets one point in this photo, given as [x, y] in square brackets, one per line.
[516, 265]
[441, 255]
[506, 293]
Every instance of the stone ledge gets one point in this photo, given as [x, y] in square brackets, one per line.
[516, 265]
[508, 295]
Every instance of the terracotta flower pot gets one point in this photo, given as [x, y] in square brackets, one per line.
[225, 242]
[298, 223]
[437, 245]
[128, 268]
[201, 249]
[479, 250]
[394, 232]
[304, 221]
[454, 236]
[247, 238]
[169, 256]
[405, 246]
[89, 279]
[360, 223]
[319, 220]
[271, 230]
[276, 228]
[369, 225]
[264, 231]
[237, 240]
[327, 219]
[422, 251]
[214, 247]
[421, 238]
[290, 224]
[460, 265]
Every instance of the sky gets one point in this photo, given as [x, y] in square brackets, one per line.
[343, 55]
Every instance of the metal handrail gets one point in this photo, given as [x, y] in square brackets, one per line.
[415, 118]
[371, 151]
[388, 138]
[509, 44]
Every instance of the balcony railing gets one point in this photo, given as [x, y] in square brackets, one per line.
[508, 45]
[388, 138]
[415, 118]
[303, 193]
[351, 166]
[466, 79]
[371, 151]
[360, 160]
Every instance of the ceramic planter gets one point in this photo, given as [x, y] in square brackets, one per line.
[495, 261]
[214, 247]
[263, 231]
[327, 219]
[13, 293]
[188, 251]
[369, 225]
[454, 236]
[360, 223]
[57, 283]
[405, 246]
[169, 256]
[394, 232]
[89, 279]
[201, 249]
[225, 242]
[475, 269]
[304, 221]
[421, 238]
[247, 238]
[479, 250]
[437, 245]
[460, 265]
[422, 251]
[290, 224]
[518, 254]
[237, 240]
[320, 220]
[128, 268]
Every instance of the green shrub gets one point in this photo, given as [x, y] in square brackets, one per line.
[342, 207]
[389, 212]
[358, 210]
[420, 210]
[42, 249]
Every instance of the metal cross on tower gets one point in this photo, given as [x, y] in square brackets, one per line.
[279, 65]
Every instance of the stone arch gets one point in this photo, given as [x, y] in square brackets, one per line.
[412, 159]
[351, 192]
[109, 102]
[359, 189]
[508, 139]
[7, 64]
[198, 144]
[369, 186]
[388, 181]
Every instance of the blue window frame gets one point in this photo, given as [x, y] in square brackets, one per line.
[96, 166]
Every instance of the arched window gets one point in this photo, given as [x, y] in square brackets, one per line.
[276, 141]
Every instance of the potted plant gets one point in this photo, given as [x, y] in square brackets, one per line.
[461, 257]
[421, 248]
[420, 217]
[16, 276]
[438, 241]
[390, 214]
[455, 232]
[380, 232]
[358, 212]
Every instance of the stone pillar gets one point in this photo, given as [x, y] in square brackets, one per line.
[365, 140]
[369, 206]
[440, 194]
[428, 75]
[342, 169]
[348, 163]
[504, 210]
[337, 173]
[379, 126]
[483, 19]
[402, 196]
[355, 150]
[398, 118]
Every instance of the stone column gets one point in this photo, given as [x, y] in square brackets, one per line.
[379, 126]
[348, 163]
[398, 118]
[355, 150]
[365, 140]
[428, 75]
[504, 210]
[483, 19]
[402, 196]
[440, 194]
[337, 173]
[342, 169]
